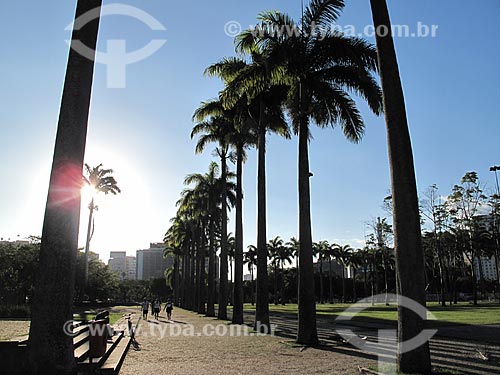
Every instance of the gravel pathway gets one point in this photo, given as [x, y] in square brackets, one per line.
[193, 344]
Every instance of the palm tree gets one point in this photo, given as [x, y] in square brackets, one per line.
[54, 284]
[319, 71]
[215, 129]
[294, 245]
[321, 250]
[241, 136]
[283, 256]
[355, 261]
[253, 81]
[273, 249]
[331, 254]
[406, 218]
[209, 187]
[100, 181]
[231, 252]
[343, 255]
[250, 258]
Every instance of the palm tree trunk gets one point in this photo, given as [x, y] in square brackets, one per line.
[50, 350]
[275, 285]
[282, 278]
[262, 323]
[197, 266]
[87, 243]
[238, 233]
[354, 297]
[321, 300]
[343, 283]
[192, 276]
[222, 312]
[252, 286]
[330, 281]
[211, 271]
[176, 280]
[202, 286]
[406, 218]
[307, 333]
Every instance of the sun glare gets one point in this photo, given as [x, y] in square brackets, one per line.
[88, 192]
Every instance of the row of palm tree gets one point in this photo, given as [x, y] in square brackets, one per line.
[309, 76]
[305, 79]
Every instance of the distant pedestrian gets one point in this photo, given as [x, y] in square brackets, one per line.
[152, 307]
[157, 307]
[145, 309]
[168, 308]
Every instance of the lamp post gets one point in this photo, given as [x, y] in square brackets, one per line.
[494, 169]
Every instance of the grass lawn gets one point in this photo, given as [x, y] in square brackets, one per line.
[463, 313]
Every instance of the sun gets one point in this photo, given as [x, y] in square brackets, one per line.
[88, 192]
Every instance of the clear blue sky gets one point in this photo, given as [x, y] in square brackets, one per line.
[451, 83]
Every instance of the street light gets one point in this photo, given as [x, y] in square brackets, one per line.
[496, 168]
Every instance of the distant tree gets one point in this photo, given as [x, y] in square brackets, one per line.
[100, 181]
[465, 202]
[250, 258]
[18, 266]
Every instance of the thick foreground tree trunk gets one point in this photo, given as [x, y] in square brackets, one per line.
[307, 333]
[407, 235]
[262, 304]
[50, 349]
[238, 254]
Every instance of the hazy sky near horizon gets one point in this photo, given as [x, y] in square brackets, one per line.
[451, 83]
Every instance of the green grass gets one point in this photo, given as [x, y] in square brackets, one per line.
[113, 317]
[461, 314]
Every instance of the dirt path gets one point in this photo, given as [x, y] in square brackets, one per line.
[194, 344]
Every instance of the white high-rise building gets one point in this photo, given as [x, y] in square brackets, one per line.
[123, 265]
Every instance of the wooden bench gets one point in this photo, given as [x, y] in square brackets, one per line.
[110, 363]
[13, 353]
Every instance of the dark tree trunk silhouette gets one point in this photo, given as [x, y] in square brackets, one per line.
[262, 303]
[50, 349]
[406, 218]
[238, 253]
[222, 312]
[306, 333]
[201, 277]
[211, 270]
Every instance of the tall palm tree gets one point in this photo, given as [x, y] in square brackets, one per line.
[54, 284]
[241, 136]
[100, 181]
[320, 71]
[209, 188]
[215, 129]
[406, 217]
[253, 81]
[250, 258]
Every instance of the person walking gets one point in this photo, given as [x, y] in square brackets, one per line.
[157, 307]
[145, 309]
[168, 308]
